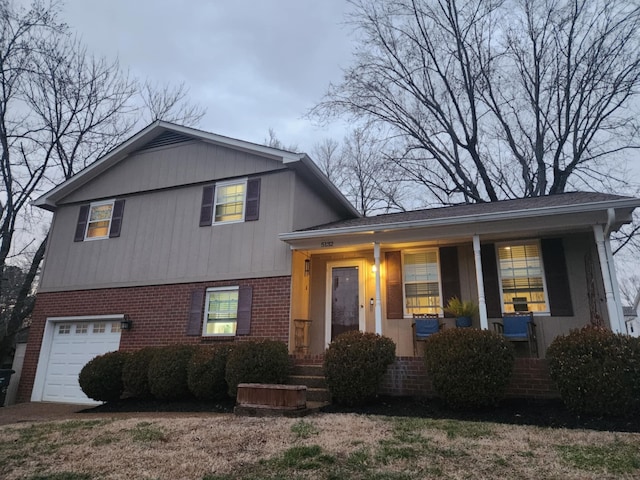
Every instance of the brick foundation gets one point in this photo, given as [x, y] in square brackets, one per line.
[159, 315]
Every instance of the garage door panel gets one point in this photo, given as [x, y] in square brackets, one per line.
[74, 344]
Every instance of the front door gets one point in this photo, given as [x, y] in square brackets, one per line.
[345, 298]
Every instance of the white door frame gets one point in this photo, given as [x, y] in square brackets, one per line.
[355, 262]
[45, 347]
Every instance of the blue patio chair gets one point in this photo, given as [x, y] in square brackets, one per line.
[519, 327]
[424, 325]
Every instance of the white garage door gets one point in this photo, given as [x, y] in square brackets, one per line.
[73, 345]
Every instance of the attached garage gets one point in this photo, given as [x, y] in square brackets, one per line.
[68, 344]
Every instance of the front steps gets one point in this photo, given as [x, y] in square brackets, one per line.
[313, 377]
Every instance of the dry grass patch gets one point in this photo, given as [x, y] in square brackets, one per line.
[327, 446]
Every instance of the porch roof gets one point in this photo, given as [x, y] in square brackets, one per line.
[570, 210]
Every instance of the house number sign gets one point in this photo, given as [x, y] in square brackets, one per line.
[326, 244]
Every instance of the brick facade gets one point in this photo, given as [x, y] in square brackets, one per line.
[159, 315]
[408, 377]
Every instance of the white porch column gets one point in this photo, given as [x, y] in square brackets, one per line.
[616, 320]
[482, 303]
[378, 308]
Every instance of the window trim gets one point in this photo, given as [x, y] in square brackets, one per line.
[242, 181]
[440, 310]
[547, 311]
[86, 228]
[205, 321]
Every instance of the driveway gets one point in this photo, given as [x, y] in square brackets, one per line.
[38, 412]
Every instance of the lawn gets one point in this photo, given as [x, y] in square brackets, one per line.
[325, 446]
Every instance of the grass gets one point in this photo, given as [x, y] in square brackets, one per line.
[304, 429]
[146, 432]
[616, 457]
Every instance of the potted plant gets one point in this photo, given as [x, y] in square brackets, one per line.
[463, 311]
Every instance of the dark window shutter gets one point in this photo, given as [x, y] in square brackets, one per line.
[449, 275]
[81, 226]
[116, 218]
[206, 209]
[491, 285]
[395, 302]
[245, 298]
[196, 314]
[253, 200]
[555, 269]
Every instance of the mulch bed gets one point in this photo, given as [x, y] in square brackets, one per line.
[543, 413]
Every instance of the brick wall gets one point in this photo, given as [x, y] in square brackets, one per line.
[159, 315]
[407, 376]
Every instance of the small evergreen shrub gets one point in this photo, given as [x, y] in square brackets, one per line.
[101, 378]
[596, 371]
[168, 372]
[135, 373]
[354, 365]
[264, 361]
[206, 371]
[469, 367]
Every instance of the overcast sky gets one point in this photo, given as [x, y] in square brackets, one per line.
[253, 64]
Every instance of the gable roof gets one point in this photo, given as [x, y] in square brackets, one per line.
[564, 203]
[160, 133]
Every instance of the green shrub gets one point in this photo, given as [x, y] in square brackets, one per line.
[354, 365]
[168, 372]
[596, 371]
[135, 373]
[257, 362]
[206, 371]
[101, 378]
[469, 367]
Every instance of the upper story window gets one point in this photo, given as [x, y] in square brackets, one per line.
[229, 201]
[221, 311]
[421, 279]
[99, 220]
[522, 280]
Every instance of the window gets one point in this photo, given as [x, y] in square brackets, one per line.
[64, 329]
[99, 220]
[81, 328]
[98, 328]
[522, 281]
[229, 202]
[421, 281]
[221, 311]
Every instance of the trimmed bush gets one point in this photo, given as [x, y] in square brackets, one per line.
[354, 365]
[469, 367]
[257, 362]
[206, 371]
[101, 378]
[596, 371]
[135, 373]
[168, 372]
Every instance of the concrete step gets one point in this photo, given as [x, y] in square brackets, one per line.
[308, 370]
[318, 395]
[309, 381]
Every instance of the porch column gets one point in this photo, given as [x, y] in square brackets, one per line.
[606, 263]
[378, 308]
[482, 303]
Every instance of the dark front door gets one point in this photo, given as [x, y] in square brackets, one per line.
[345, 312]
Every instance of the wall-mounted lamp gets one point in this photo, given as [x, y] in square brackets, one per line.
[125, 323]
[307, 267]
[374, 269]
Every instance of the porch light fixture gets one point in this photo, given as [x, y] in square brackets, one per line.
[125, 324]
[307, 267]
[374, 269]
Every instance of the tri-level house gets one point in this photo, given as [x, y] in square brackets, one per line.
[183, 236]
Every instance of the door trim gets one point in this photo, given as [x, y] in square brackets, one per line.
[360, 264]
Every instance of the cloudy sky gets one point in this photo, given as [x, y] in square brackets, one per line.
[253, 64]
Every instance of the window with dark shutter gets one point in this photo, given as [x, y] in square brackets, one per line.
[253, 200]
[245, 298]
[393, 265]
[491, 281]
[116, 218]
[81, 226]
[194, 321]
[206, 209]
[555, 269]
[449, 275]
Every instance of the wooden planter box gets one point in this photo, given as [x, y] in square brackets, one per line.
[279, 397]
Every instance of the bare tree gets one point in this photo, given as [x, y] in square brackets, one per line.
[274, 142]
[169, 103]
[327, 155]
[497, 98]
